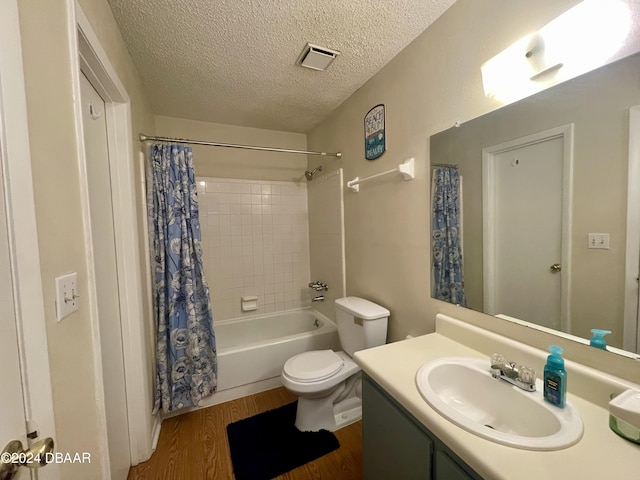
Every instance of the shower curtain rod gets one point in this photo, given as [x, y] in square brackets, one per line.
[444, 165]
[144, 138]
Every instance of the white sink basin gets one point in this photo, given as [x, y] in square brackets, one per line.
[463, 391]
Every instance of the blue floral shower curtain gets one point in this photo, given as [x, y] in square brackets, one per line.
[448, 282]
[186, 344]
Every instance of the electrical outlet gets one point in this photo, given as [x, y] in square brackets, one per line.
[599, 240]
[66, 295]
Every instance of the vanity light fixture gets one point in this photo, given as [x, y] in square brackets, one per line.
[579, 40]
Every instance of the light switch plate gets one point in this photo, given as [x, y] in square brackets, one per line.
[599, 240]
[66, 295]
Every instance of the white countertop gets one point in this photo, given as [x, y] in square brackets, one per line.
[599, 454]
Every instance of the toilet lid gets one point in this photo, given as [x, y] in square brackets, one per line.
[313, 366]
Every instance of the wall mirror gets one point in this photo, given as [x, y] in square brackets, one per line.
[539, 198]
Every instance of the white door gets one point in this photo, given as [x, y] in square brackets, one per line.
[525, 244]
[106, 275]
[12, 415]
[25, 388]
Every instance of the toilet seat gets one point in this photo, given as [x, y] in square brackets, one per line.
[324, 382]
[313, 366]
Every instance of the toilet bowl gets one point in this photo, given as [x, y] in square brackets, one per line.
[329, 384]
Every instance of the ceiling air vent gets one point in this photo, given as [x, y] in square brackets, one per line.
[316, 58]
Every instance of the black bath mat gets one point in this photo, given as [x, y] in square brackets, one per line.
[268, 444]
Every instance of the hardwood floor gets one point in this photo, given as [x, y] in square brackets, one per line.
[194, 446]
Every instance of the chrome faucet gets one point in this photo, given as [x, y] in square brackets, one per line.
[319, 298]
[319, 286]
[519, 375]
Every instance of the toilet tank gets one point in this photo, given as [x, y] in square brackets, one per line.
[361, 324]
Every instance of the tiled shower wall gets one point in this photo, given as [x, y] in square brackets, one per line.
[255, 241]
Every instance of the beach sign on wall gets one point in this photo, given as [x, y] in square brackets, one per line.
[374, 133]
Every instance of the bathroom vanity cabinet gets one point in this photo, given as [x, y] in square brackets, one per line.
[404, 438]
[396, 446]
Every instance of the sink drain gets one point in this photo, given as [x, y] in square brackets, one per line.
[487, 425]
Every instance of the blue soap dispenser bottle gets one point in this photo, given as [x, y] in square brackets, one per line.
[598, 340]
[555, 378]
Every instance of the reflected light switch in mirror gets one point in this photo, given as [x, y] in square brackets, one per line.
[599, 240]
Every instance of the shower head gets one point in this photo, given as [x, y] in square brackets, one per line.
[310, 174]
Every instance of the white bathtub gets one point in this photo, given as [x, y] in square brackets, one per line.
[253, 350]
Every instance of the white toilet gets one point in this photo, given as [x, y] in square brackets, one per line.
[329, 384]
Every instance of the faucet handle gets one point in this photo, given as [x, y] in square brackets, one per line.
[497, 360]
[318, 286]
[527, 374]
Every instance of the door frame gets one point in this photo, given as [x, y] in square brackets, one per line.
[90, 59]
[631, 328]
[566, 132]
[22, 228]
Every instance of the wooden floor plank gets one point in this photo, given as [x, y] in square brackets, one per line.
[194, 446]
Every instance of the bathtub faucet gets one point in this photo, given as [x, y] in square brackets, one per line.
[319, 286]
[319, 298]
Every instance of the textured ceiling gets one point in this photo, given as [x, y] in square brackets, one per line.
[233, 61]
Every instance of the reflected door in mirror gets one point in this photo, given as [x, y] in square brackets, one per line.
[523, 218]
